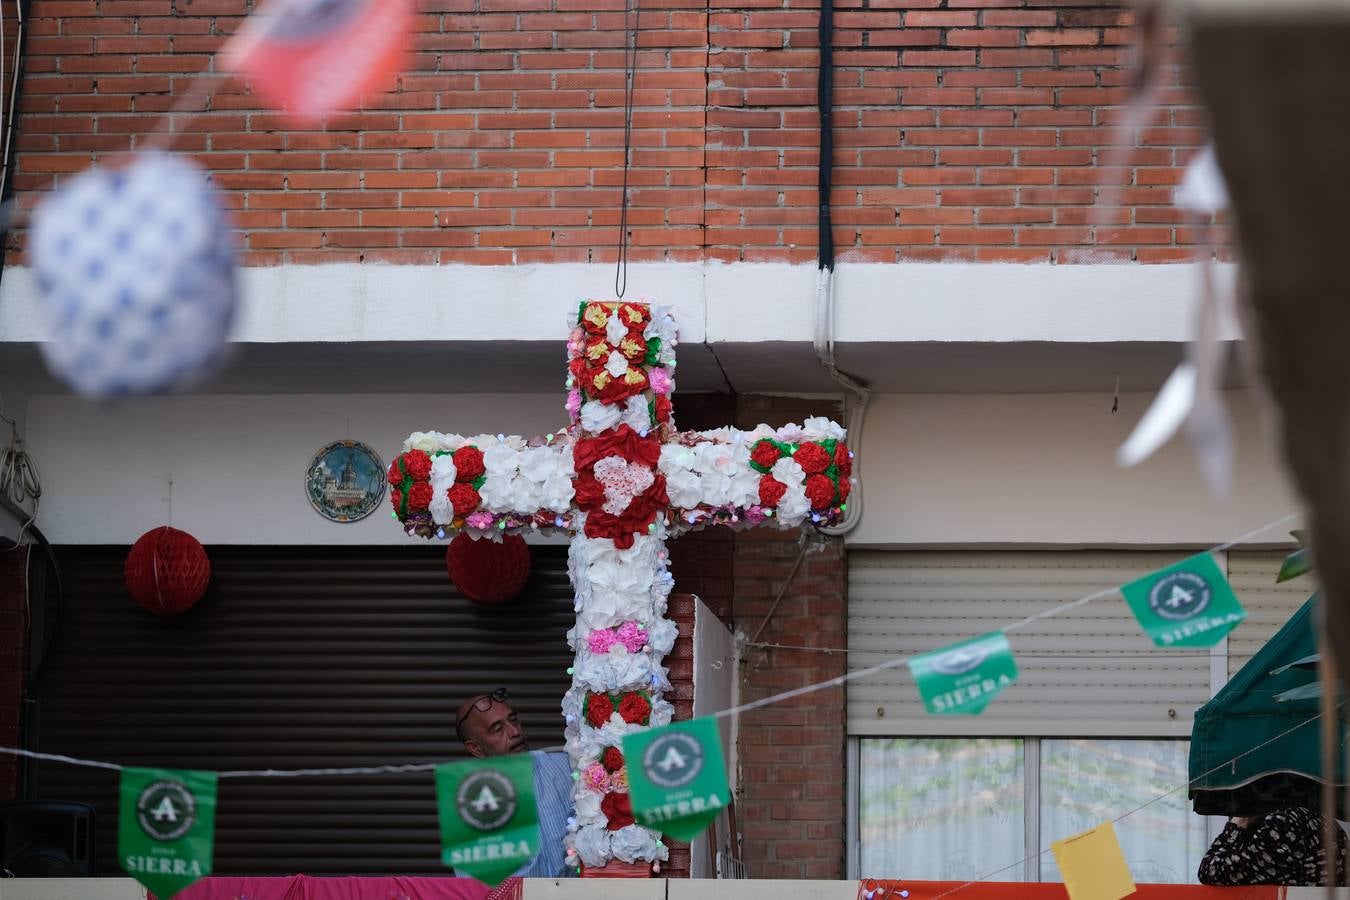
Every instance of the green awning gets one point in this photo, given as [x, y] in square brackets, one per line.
[1254, 750]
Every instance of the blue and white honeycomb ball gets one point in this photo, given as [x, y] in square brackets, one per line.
[136, 268]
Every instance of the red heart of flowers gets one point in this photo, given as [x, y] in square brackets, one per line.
[618, 809]
[642, 510]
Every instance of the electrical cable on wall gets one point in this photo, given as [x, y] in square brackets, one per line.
[632, 18]
[824, 335]
[19, 480]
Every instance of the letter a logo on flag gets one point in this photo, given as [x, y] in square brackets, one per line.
[677, 777]
[1189, 604]
[166, 827]
[489, 821]
[315, 57]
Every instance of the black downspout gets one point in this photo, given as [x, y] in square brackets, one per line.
[825, 101]
[40, 645]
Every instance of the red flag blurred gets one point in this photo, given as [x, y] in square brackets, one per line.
[314, 57]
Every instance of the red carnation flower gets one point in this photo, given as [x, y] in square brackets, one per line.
[468, 463]
[633, 316]
[634, 709]
[845, 488]
[812, 458]
[843, 460]
[419, 496]
[765, 454]
[417, 464]
[396, 499]
[618, 809]
[463, 498]
[598, 709]
[663, 409]
[771, 490]
[395, 473]
[612, 759]
[618, 389]
[820, 491]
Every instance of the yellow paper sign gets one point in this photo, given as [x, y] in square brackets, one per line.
[1093, 866]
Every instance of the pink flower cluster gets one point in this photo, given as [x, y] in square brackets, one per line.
[631, 635]
[596, 778]
[660, 381]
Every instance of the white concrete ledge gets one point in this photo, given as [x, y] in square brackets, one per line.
[714, 302]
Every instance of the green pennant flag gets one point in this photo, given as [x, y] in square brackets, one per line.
[489, 823]
[1186, 605]
[166, 827]
[677, 777]
[963, 678]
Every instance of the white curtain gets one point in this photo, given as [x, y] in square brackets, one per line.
[942, 810]
[1087, 782]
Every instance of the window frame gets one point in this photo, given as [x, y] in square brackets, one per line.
[1033, 846]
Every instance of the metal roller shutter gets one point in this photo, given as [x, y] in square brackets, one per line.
[298, 657]
[1087, 672]
[1269, 605]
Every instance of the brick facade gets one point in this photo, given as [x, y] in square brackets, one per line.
[791, 798]
[964, 130]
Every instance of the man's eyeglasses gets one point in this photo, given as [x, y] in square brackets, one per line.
[483, 704]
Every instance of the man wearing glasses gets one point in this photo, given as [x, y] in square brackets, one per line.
[488, 726]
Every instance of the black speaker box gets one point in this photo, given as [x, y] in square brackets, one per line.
[46, 839]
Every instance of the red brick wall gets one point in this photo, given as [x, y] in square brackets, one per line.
[13, 634]
[680, 663]
[790, 803]
[964, 129]
[792, 763]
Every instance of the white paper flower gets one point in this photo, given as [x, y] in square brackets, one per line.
[587, 805]
[761, 431]
[538, 463]
[821, 428]
[592, 844]
[637, 415]
[556, 493]
[597, 417]
[442, 478]
[788, 471]
[617, 364]
[633, 842]
[684, 489]
[615, 329]
[421, 440]
[661, 636]
[794, 506]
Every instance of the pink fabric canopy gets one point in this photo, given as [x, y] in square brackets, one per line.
[308, 887]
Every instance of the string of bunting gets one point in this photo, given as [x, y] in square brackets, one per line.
[489, 822]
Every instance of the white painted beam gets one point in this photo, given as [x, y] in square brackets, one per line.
[714, 302]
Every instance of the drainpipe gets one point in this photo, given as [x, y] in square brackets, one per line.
[824, 334]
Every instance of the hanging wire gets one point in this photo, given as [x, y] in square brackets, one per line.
[631, 16]
[19, 481]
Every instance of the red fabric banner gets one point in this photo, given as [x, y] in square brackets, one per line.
[882, 889]
[309, 887]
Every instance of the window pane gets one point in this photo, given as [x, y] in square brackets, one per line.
[942, 810]
[1087, 782]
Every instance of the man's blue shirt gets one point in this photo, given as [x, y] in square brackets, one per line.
[553, 795]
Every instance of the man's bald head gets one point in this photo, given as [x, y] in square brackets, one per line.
[488, 726]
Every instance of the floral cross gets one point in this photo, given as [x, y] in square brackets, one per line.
[621, 480]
